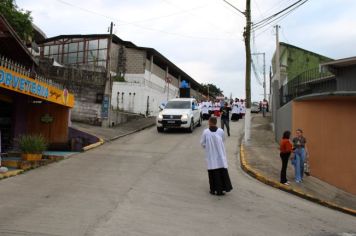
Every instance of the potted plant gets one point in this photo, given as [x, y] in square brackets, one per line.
[32, 147]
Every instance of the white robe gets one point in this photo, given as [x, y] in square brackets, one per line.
[205, 109]
[242, 108]
[213, 143]
[235, 108]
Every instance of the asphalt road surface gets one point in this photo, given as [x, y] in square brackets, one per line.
[155, 184]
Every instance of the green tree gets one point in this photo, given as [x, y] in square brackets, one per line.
[19, 19]
[214, 91]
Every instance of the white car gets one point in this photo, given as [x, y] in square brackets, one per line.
[179, 113]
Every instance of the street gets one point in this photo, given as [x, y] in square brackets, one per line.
[151, 183]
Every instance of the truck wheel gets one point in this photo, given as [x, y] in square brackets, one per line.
[191, 127]
[200, 121]
[160, 129]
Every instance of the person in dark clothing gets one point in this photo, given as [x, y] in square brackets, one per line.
[225, 117]
[285, 151]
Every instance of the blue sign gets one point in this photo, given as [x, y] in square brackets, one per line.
[15, 82]
[184, 84]
[105, 107]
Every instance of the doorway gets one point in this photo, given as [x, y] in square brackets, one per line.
[5, 126]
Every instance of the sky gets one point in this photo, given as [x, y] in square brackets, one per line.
[204, 37]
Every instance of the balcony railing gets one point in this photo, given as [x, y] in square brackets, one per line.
[309, 82]
[18, 68]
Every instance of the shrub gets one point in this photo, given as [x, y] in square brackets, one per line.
[35, 144]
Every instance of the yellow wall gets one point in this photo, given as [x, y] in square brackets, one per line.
[329, 126]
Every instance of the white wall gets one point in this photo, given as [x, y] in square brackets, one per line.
[131, 96]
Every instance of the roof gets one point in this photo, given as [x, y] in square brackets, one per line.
[12, 47]
[350, 61]
[115, 39]
[301, 49]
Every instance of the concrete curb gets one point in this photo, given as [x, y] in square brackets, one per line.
[94, 145]
[132, 132]
[102, 141]
[255, 174]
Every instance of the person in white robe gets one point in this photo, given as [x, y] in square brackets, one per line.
[205, 111]
[212, 141]
[235, 110]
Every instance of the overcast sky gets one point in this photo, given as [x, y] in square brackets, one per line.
[204, 37]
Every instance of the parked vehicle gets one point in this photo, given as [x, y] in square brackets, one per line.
[183, 113]
[255, 107]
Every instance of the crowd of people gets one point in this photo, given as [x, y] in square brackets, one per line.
[214, 108]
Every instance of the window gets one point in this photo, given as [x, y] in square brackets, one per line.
[93, 45]
[81, 46]
[92, 55]
[178, 105]
[72, 58]
[65, 48]
[103, 43]
[73, 47]
[46, 50]
[54, 49]
[102, 54]
[80, 57]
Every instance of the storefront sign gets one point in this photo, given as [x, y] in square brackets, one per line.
[10, 79]
[22, 84]
[47, 119]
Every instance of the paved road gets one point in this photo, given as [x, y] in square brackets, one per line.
[155, 184]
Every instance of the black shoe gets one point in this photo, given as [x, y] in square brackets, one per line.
[220, 194]
[212, 192]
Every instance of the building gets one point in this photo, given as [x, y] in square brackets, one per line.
[321, 101]
[29, 103]
[295, 60]
[141, 78]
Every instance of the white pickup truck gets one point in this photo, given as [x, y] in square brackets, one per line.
[179, 113]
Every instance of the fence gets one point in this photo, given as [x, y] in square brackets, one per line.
[309, 82]
[18, 68]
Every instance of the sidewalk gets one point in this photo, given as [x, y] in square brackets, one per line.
[108, 134]
[260, 158]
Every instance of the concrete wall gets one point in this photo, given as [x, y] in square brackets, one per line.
[140, 95]
[85, 85]
[135, 61]
[330, 129]
[283, 120]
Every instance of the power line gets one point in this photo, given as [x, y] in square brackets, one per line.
[279, 17]
[276, 14]
[270, 18]
[243, 13]
[276, 6]
[210, 23]
[140, 26]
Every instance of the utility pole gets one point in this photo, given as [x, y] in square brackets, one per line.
[277, 62]
[106, 105]
[247, 36]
